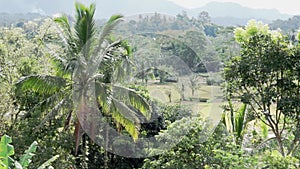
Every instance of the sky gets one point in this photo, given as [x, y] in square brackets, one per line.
[284, 6]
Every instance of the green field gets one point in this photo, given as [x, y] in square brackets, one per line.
[210, 108]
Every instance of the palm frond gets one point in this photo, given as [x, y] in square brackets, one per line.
[108, 28]
[131, 97]
[45, 103]
[71, 65]
[105, 53]
[51, 114]
[41, 84]
[114, 18]
[103, 96]
[122, 71]
[126, 111]
[122, 111]
[63, 22]
[66, 33]
[84, 27]
[122, 115]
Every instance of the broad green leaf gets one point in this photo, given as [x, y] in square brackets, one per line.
[26, 158]
[6, 150]
[41, 84]
[48, 162]
[239, 120]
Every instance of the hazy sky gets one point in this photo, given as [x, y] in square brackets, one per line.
[285, 6]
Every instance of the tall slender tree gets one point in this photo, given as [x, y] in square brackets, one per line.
[84, 78]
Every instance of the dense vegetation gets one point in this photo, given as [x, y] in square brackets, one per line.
[68, 83]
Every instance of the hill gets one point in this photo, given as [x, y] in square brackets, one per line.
[226, 13]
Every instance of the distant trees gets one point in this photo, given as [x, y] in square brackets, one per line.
[182, 36]
[287, 26]
[16, 59]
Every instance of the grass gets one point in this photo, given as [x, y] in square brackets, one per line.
[210, 109]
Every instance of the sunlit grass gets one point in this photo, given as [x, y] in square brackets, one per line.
[209, 109]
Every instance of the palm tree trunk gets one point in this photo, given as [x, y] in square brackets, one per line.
[106, 159]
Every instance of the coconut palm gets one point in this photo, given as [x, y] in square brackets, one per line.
[83, 83]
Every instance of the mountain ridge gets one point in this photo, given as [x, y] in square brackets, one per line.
[220, 12]
[231, 9]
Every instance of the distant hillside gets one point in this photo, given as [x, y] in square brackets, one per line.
[289, 25]
[131, 7]
[232, 21]
[234, 10]
[231, 14]
[9, 19]
[222, 13]
[105, 8]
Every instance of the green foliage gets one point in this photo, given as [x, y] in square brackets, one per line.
[239, 122]
[236, 121]
[44, 96]
[287, 26]
[41, 84]
[25, 159]
[218, 151]
[172, 113]
[6, 150]
[195, 149]
[253, 28]
[264, 129]
[264, 77]
[234, 157]
[87, 56]
[273, 159]
[48, 162]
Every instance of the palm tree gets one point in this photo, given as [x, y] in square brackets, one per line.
[83, 83]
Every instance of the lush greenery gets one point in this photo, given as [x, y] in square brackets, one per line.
[59, 76]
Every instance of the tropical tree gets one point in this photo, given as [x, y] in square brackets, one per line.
[85, 72]
[266, 78]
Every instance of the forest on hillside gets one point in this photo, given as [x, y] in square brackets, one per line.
[150, 91]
